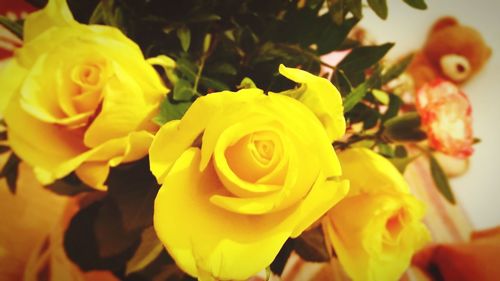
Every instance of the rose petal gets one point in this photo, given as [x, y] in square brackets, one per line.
[323, 196]
[56, 13]
[206, 239]
[11, 76]
[124, 109]
[356, 226]
[41, 144]
[61, 151]
[322, 98]
[93, 174]
[164, 152]
[379, 174]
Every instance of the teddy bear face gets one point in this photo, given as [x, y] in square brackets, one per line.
[456, 51]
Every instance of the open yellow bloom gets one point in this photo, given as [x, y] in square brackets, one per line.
[241, 173]
[377, 228]
[77, 97]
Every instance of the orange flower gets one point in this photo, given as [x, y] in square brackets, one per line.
[446, 115]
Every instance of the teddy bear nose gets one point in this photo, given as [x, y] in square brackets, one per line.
[456, 67]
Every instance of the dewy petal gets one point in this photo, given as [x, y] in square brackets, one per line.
[379, 174]
[55, 13]
[202, 237]
[11, 77]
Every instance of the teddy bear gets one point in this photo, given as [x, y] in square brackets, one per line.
[452, 51]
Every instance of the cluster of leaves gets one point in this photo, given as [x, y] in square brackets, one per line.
[115, 232]
[217, 44]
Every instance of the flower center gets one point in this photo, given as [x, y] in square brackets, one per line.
[262, 150]
[394, 226]
[86, 75]
[255, 155]
[88, 78]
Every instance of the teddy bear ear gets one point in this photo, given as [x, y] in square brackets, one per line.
[444, 22]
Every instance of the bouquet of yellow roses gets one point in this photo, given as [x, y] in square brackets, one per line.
[199, 139]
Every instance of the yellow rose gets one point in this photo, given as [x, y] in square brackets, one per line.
[241, 173]
[78, 97]
[377, 228]
[321, 97]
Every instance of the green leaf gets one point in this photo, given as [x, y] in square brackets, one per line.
[203, 18]
[171, 111]
[246, 83]
[441, 180]
[183, 90]
[213, 84]
[355, 7]
[224, 68]
[402, 162]
[395, 103]
[354, 97]
[381, 96]
[404, 128]
[10, 172]
[69, 186]
[385, 149]
[311, 246]
[162, 268]
[417, 4]
[400, 151]
[81, 246]
[247, 39]
[109, 12]
[207, 42]
[187, 68]
[364, 57]
[379, 7]
[4, 149]
[12, 26]
[111, 236]
[280, 261]
[336, 8]
[333, 35]
[133, 189]
[149, 249]
[184, 35]
[397, 69]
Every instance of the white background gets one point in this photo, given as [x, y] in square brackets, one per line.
[479, 189]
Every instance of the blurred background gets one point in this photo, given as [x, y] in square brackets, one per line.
[478, 190]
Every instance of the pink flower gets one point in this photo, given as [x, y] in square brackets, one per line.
[446, 115]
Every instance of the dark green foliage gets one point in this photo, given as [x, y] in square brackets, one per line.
[10, 172]
[441, 180]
